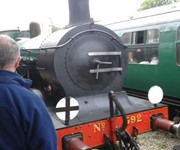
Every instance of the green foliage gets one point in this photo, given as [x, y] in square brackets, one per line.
[54, 28]
[146, 4]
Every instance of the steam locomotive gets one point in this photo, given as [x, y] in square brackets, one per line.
[79, 72]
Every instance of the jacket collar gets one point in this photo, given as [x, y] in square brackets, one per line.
[14, 78]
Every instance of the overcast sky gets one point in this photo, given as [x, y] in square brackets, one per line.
[14, 13]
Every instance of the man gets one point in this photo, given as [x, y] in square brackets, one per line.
[24, 120]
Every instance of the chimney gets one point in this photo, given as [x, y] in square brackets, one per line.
[79, 12]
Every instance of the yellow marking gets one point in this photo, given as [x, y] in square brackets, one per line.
[134, 119]
[99, 127]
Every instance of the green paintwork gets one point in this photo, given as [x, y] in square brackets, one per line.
[16, 34]
[166, 73]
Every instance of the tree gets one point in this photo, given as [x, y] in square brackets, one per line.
[146, 4]
[54, 28]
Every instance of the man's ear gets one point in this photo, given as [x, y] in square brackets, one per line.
[18, 59]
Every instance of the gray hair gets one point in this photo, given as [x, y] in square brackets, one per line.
[9, 51]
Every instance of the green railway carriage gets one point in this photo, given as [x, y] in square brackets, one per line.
[152, 38]
[16, 34]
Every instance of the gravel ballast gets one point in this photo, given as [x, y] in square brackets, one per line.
[158, 140]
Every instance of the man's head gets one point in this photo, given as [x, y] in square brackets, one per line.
[9, 53]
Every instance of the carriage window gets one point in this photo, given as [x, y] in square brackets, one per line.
[140, 37]
[143, 46]
[178, 47]
[133, 37]
[137, 37]
[145, 55]
[152, 36]
[126, 39]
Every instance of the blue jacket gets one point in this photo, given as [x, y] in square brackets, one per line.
[25, 123]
